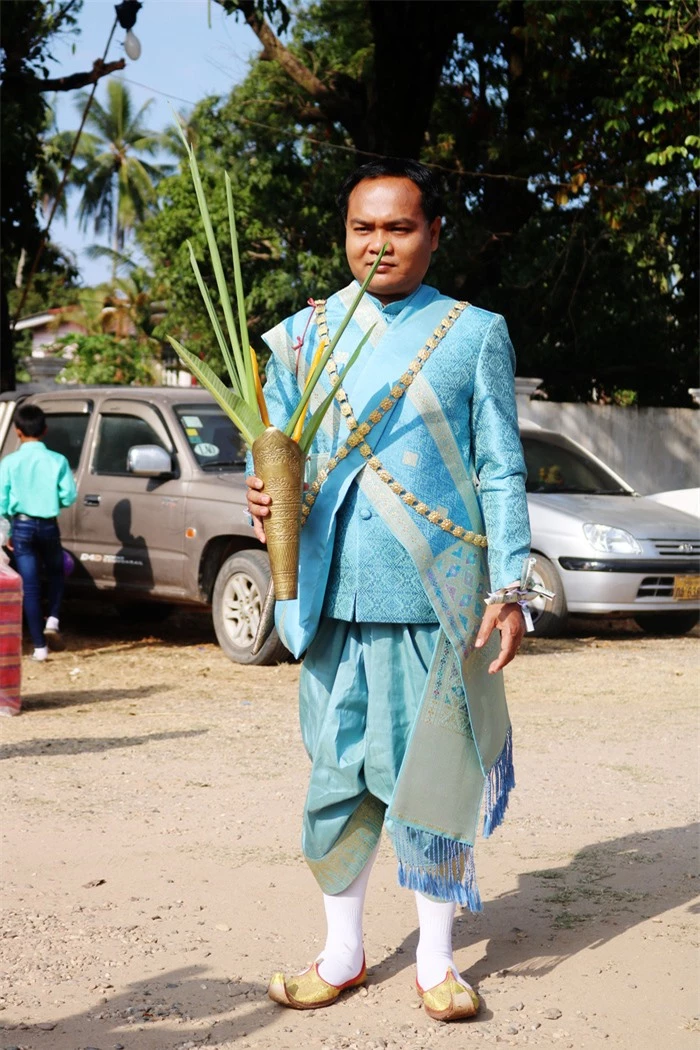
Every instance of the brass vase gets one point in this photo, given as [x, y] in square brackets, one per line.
[279, 463]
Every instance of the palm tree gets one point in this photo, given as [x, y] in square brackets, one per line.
[171, 139]
[55, 147]
[117, 182]
[130, 305]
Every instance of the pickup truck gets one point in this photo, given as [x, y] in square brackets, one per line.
[161, 514]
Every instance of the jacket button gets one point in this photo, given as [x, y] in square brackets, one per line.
[365, 514]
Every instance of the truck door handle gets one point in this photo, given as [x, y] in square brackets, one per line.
[91, 500]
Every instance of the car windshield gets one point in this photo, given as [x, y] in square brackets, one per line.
[556, 465]
[212, 437]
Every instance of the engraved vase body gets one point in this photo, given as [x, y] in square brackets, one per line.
[279, 463]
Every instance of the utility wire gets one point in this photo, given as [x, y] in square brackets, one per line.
[529, 179]
[338, 146]
[164, 94]
[242, 120]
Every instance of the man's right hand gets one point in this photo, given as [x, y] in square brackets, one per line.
[258, 505]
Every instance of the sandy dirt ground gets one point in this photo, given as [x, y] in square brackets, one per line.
[152, 878]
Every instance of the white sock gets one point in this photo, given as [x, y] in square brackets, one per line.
[41, 653]
[341, 958]
[51, 623]
[434, 952]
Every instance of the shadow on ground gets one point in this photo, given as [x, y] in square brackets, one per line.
[89, 626]
[87, 745]
[79, 697]
[585, 633]
[171, 1007]
[558, 912]
[551, 916]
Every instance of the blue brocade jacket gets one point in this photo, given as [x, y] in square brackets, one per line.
[462, 409]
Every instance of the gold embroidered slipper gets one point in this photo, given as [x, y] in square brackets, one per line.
[450, 1000]
[308, 990]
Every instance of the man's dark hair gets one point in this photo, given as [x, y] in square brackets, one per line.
[30, 420]
[398, 168]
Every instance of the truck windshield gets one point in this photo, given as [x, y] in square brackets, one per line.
[558, 466]
[214, 441]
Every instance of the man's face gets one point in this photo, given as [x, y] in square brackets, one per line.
[388, 210]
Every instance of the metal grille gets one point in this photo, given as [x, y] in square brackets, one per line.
[678, 547]
[656, 587]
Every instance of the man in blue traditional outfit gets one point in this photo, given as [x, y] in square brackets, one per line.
[415, 531]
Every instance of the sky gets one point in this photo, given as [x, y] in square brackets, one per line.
[182, 60]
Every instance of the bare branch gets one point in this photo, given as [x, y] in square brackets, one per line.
[275, 51]
[75, 80]
[341, 102]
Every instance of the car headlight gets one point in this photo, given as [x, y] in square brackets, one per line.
[609, 540]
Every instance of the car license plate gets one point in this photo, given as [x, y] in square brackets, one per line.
[686, 588]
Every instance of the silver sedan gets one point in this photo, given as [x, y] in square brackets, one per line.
[604, 549]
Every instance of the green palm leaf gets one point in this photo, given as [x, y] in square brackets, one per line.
[114, 140]
[240, 297]
[220, 277]
[239, 411]
[317, 372]
[317, 418]
[223, 346]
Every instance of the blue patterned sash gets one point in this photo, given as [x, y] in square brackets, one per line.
[460, 745]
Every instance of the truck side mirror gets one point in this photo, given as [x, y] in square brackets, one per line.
[148, 461]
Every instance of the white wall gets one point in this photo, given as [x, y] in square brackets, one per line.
[653, 449]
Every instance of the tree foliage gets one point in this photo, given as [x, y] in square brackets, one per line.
[55, 284]
[101, 358]
[27, 31]
[119, 319]
[115, 179]
[562, 131]
[291, 239]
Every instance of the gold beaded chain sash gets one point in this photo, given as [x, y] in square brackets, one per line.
[359, 431]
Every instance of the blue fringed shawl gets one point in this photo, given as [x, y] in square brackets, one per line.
[459, 755]
[443, 867]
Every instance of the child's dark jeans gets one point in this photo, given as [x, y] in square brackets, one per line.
[36, 544]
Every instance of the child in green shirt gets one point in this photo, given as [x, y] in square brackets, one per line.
[35, 484]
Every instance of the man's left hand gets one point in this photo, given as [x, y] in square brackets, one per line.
[509, 620]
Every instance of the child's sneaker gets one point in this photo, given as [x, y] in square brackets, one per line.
[53, 636]
[40, 654]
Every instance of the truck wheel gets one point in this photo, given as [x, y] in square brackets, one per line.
[548, 618]
[237, 601]
[667, 623]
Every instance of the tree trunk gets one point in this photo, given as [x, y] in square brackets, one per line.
[115, 251]
[413, 40]
[508, 204]
[388, 115]
[8, 379]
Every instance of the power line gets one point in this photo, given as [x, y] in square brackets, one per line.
[146, 87]
[346, 149]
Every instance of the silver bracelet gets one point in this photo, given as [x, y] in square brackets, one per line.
[521, 594]
[509, 596]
